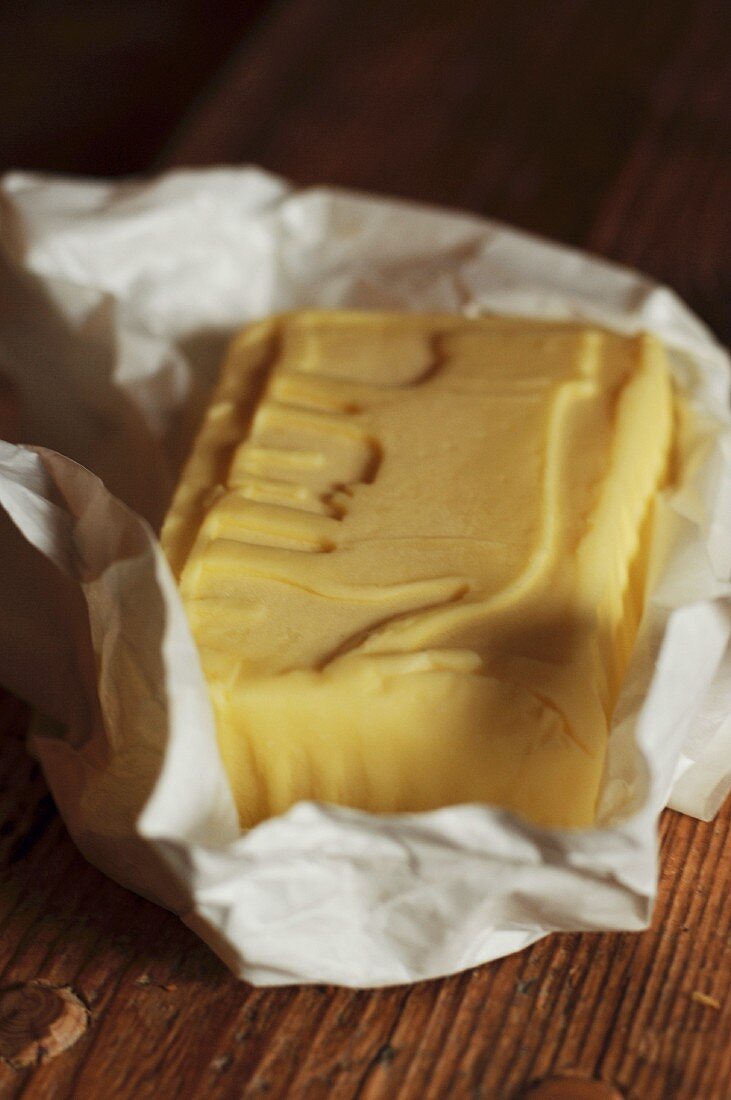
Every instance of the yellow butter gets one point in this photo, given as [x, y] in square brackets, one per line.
[411, 553]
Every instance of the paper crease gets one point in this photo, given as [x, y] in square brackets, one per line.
[117, 302]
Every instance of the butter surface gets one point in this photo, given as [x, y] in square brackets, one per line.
[411, 553]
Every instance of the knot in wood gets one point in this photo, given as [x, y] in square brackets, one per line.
[38, 1021]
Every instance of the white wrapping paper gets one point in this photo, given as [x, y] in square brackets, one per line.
[116, 302]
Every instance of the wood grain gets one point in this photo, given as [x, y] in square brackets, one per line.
[166, 1016]
[607, 126]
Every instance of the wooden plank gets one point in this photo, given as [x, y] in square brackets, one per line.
[164, 1011]
[604, 125]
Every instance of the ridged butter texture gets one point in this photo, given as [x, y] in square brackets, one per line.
[411, 550]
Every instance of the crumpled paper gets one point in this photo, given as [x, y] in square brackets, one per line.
[116, 302]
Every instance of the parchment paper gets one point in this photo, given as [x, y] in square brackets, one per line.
[116, 302]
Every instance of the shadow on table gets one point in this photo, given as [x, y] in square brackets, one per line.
[62, 919]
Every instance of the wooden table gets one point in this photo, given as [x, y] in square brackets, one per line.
[605, 125]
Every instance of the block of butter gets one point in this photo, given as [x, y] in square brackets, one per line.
[412, 552]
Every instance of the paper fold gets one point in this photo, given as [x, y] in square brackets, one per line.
[116, 301]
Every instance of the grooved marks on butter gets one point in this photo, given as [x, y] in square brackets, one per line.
[429, 499]
[414, 631]
[306, 450]
[335, 407]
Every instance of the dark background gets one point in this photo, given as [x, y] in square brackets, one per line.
[97, 86]
[573, 118]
